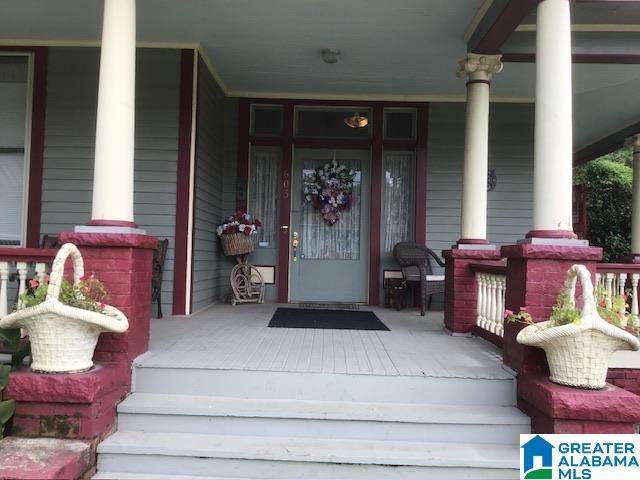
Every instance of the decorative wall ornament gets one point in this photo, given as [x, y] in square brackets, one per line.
[330, 189]
[492, 179]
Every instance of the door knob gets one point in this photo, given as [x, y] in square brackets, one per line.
[284, 228]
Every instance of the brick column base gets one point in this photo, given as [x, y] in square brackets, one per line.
[557, 409]
[535, 275]
[83, 405]
[122, 262]
[461, 291]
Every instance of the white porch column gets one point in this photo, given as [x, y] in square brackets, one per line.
[478, 69]
[635, 204]
[113, 170]
[553, 154]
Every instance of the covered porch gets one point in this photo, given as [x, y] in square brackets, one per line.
[156, 134]
[238, 338]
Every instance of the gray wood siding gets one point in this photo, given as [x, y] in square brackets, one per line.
[72, 86]
[510, 205]
[215, 188]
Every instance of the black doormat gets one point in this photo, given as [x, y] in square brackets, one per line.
[326, 319]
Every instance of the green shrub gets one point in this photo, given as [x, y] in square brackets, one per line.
[6, 406]
[609, 186]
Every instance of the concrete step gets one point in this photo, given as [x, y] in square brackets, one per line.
[44, 458]
[305, 418]
[490, 390]
[157, 476]
[317, 459]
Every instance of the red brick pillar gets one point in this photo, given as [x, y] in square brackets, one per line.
[83, 405]
[535, 275]
[122, 262]
[461, 291]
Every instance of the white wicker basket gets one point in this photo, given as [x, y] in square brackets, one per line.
[578, 353]
[63, 338]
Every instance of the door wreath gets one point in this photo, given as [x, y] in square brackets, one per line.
[330, 190]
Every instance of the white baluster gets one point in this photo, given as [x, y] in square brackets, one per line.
[41, 271]
[484, 301]
[479, 299]
[609, 289]
[502, 287]
[598, 283]
[622, 283]
[4, 280]
[22, 279]
[492, 303]
[634, 293]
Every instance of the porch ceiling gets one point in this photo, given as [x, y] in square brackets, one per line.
[405, 49]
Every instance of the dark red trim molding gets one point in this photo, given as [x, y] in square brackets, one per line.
[286, 173]
[36, 158]
[551, 234]
[244, 147]
[421, 175]
[376, 206]
[183, 182]
[594, 58]
[27, 254]
[376, 144]
[111, 223]
[506, 21]
[471, 82]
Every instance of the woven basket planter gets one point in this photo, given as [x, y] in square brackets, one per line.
[63, 338]
[238, 243]
[578, 353]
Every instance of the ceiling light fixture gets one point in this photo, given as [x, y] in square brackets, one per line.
[329, 55]
[356, 121]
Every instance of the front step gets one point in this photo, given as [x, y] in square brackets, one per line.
[304, 418]
[295, 458]
[492, 389]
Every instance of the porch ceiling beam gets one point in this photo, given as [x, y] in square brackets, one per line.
[602, 58]
[499, 22]
[605, 145]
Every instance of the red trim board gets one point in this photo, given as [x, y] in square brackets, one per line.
[36, 148]
[183, 182]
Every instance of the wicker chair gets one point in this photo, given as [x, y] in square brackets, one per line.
[415, 260]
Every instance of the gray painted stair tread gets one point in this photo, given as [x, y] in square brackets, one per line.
[366, 452]
[156, 476]
[196, 405]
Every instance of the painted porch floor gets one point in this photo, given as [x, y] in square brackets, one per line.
[237, 338]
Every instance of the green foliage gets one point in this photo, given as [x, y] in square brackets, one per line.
[7, 407]
[14, 345]
[608, 183]
[564, 311]
[88, 294]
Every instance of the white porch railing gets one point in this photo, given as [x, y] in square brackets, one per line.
[491, 282]
[17, 266]
[617, 278]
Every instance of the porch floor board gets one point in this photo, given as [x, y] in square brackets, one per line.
[237, 338]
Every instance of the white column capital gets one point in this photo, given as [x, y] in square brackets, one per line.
[479, 67]
[633, 142]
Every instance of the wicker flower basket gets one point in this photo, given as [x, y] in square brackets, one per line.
[63, 338]
[238, 243]
[578, 353]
